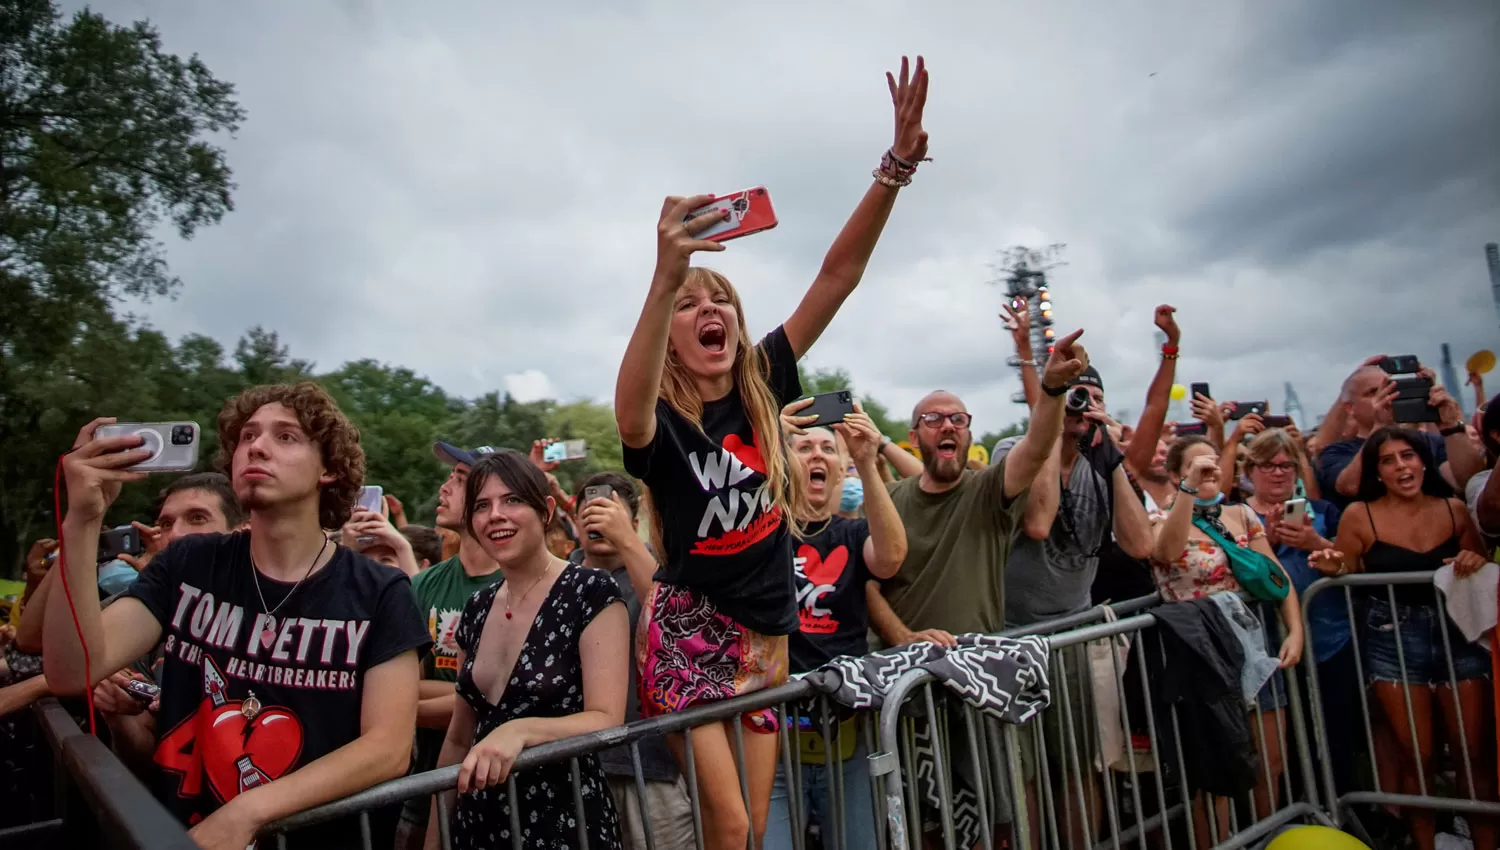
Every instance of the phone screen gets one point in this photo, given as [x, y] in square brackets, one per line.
[555, 453]
[370, 498]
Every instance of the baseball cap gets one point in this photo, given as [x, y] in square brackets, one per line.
[1089, 377]
[453, 455]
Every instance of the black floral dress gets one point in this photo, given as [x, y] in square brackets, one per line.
[547, 681]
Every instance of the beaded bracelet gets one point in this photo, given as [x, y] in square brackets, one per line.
[895, 171]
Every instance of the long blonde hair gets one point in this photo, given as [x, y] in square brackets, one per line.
[752, 369]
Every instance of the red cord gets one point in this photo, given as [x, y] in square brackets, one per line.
[62, 564]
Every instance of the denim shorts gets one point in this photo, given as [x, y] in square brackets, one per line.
[1421, 644]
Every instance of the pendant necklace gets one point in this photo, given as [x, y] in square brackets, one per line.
[250, 707]
[538, 581]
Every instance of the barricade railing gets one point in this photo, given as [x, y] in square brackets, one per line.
[836, 807]
[1394, 637]
[98, 802]
[1048, 780]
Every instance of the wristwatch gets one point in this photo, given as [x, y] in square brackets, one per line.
[1191, 491]
[1054, 391]
[1452, 430]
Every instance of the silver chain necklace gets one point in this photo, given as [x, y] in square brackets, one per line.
[267, 635]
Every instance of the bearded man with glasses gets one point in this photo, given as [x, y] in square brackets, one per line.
[959, 522]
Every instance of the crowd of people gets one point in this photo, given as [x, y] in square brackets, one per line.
[296, 650]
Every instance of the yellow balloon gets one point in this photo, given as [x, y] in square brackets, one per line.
[979, 453]
[1481, 362]
[1179, 392]
[1316, 838]
[908, 447]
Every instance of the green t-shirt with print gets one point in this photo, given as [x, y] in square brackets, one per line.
[442, 590]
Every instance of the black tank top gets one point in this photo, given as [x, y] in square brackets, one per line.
[1384, 557]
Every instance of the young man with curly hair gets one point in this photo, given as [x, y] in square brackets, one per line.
[291, 663]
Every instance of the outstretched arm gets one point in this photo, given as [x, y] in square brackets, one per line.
[1154, 415]
[845, 262]
[639, 381]
[1067, 361]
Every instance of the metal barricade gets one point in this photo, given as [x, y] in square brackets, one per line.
[1047, 783]
[99, 803]
[1383, 622]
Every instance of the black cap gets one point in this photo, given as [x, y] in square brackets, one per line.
[453, 455]
[1089, 377]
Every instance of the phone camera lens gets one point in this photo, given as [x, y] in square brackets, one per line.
[845, 397]
[182, 435]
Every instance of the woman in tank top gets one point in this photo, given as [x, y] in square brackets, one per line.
[1407, 521]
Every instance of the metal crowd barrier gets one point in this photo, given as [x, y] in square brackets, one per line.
[98, 802]
[1069, 796]
[1370, 789]
[1090, 804]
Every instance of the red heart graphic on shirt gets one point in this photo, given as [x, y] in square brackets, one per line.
[820, 571]
[256, 751]
[748, 455]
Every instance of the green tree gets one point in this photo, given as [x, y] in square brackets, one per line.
[104, 138]
[830, 380]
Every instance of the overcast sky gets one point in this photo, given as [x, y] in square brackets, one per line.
[471, 189]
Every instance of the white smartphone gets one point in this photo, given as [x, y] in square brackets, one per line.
[371, 498]
[567, 450]
[1294, 512]
[173, 445]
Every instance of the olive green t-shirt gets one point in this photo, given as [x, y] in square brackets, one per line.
[957, 543]
[442, 590]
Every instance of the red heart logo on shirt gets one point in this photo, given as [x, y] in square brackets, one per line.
[820, 571]
[234, 746]
[748, 455]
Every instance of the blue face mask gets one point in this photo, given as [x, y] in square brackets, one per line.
[853, 496]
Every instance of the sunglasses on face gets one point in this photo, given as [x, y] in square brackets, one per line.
[958, 420]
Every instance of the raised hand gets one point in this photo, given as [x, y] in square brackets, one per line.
[1203, 470]
[791, 423]
[1207, 411]
[909, 97]
[1449, 413]
[1067, 361]
[1018, 320]
[677, 240]
[1250, 425]
[37, 560]
[152, 542]
[860, 435]
[609, 517]
[539, 455]
[96, 469]
[1167, 321]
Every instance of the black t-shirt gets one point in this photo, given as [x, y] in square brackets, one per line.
[831, 575]
[308, 678]
[708, 488]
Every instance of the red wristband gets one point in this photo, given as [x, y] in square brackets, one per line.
[1168, 349]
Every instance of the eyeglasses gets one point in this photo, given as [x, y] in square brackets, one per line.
[959, 420]
[1278, 467]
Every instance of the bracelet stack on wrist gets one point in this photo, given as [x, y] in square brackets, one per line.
[894, 171]
[1169, 352]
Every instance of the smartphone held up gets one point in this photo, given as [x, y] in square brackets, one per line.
[173, 445]
[748, 211]
[565, 450]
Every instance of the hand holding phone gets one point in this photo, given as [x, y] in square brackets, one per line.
[830, 408]
[173, 445]
[566, 450]
[749, 211]
[1294, 512]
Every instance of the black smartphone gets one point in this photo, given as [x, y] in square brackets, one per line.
[124, 540]
[1191, 429]
[597, 491]
[1400, 364]
[1410, 405]
[830, 408]
[1195, 390]
[1277, 421]
[1241, 409]
[142, 690]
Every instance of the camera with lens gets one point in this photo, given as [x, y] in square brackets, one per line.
[1078, 400]
[182, 435]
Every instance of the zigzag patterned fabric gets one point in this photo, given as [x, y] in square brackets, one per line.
[1006, 678]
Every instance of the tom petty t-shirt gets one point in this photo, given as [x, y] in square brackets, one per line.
[831, 575]
[721, 535]
[305, 667]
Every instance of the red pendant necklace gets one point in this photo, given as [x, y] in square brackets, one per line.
[508, 614]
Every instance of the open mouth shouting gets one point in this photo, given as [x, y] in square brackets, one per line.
[817, 479]
[947, 448]
[714, 337]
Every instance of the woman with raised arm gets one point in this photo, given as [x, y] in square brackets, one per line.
[698, 411]
[542, 656]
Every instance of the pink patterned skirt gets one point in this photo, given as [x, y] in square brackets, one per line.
[690, 653]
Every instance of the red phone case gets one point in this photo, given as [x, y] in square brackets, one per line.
[750, 212]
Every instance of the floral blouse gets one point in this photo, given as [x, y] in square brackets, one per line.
[1203, 569]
